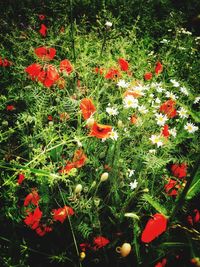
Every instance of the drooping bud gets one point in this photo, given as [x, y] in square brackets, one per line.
[104, 177]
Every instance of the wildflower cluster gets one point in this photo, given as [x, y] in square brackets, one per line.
[106, 151]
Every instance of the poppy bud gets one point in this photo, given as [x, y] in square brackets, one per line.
[82, 255]
[78, 188]
[120, 124]
[90, 122]
[104, 177]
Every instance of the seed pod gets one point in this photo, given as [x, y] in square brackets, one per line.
[124, 250]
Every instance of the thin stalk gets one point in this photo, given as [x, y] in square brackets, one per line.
[104, 42]
[73, 235]
[181, 199]
[72, 30]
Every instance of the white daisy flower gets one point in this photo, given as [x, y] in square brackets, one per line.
[197, 99]
[142, 109]
[175, 83]
[122, 84]
[184, 91]
[108, 24]
[130, 102]
[112, 111]
[156, 140]
[157, 101]
[190, 127]
[152, 151]
[161, 119]
[133, 184]
[159, 89]
[182, 113]
[173, 132]
[131, 172]
[113, 135]
[164, 41]
[171, 95]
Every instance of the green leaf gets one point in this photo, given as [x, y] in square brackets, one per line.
[194, 188]
[155, 204]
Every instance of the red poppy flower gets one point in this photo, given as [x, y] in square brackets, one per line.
[21, 178]
[158, 68]
[62, 29]
[100, 130]
[69, 166]
[79, 158]
[169, 108]
[83, 246]
[133, 119]
[162, 263]
[42, 230]
[154, 228]
[41, 17]
[66, 66]
[100, 242]
[195, 261]
[87, 108]
[107, 167]
[10, 107]
[33, 70]
[61, 83]
[48, 77]
[165, 131]
[33, 218]
[194, 217]
[43, 30]
[64, 116]
[148, 76]
[179, 170]
[45, 53]
[123, 64]
[5, 63]
[50, 117]
[62, 213]
[52, 73]
[172, 187]
[98, 70]
[32, 198]
[112, 74]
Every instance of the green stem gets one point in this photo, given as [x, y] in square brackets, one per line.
[181, 199]
[104, 42]
[73, 235]
[72, 30]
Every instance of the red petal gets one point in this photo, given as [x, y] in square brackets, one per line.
[154, 227]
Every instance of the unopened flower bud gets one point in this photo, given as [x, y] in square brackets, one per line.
[90, 122]
[146, 190]
[120, 124]
[82, 255]
[78, 189]
[104, 177]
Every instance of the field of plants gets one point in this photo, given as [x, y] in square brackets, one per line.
[99, 132]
